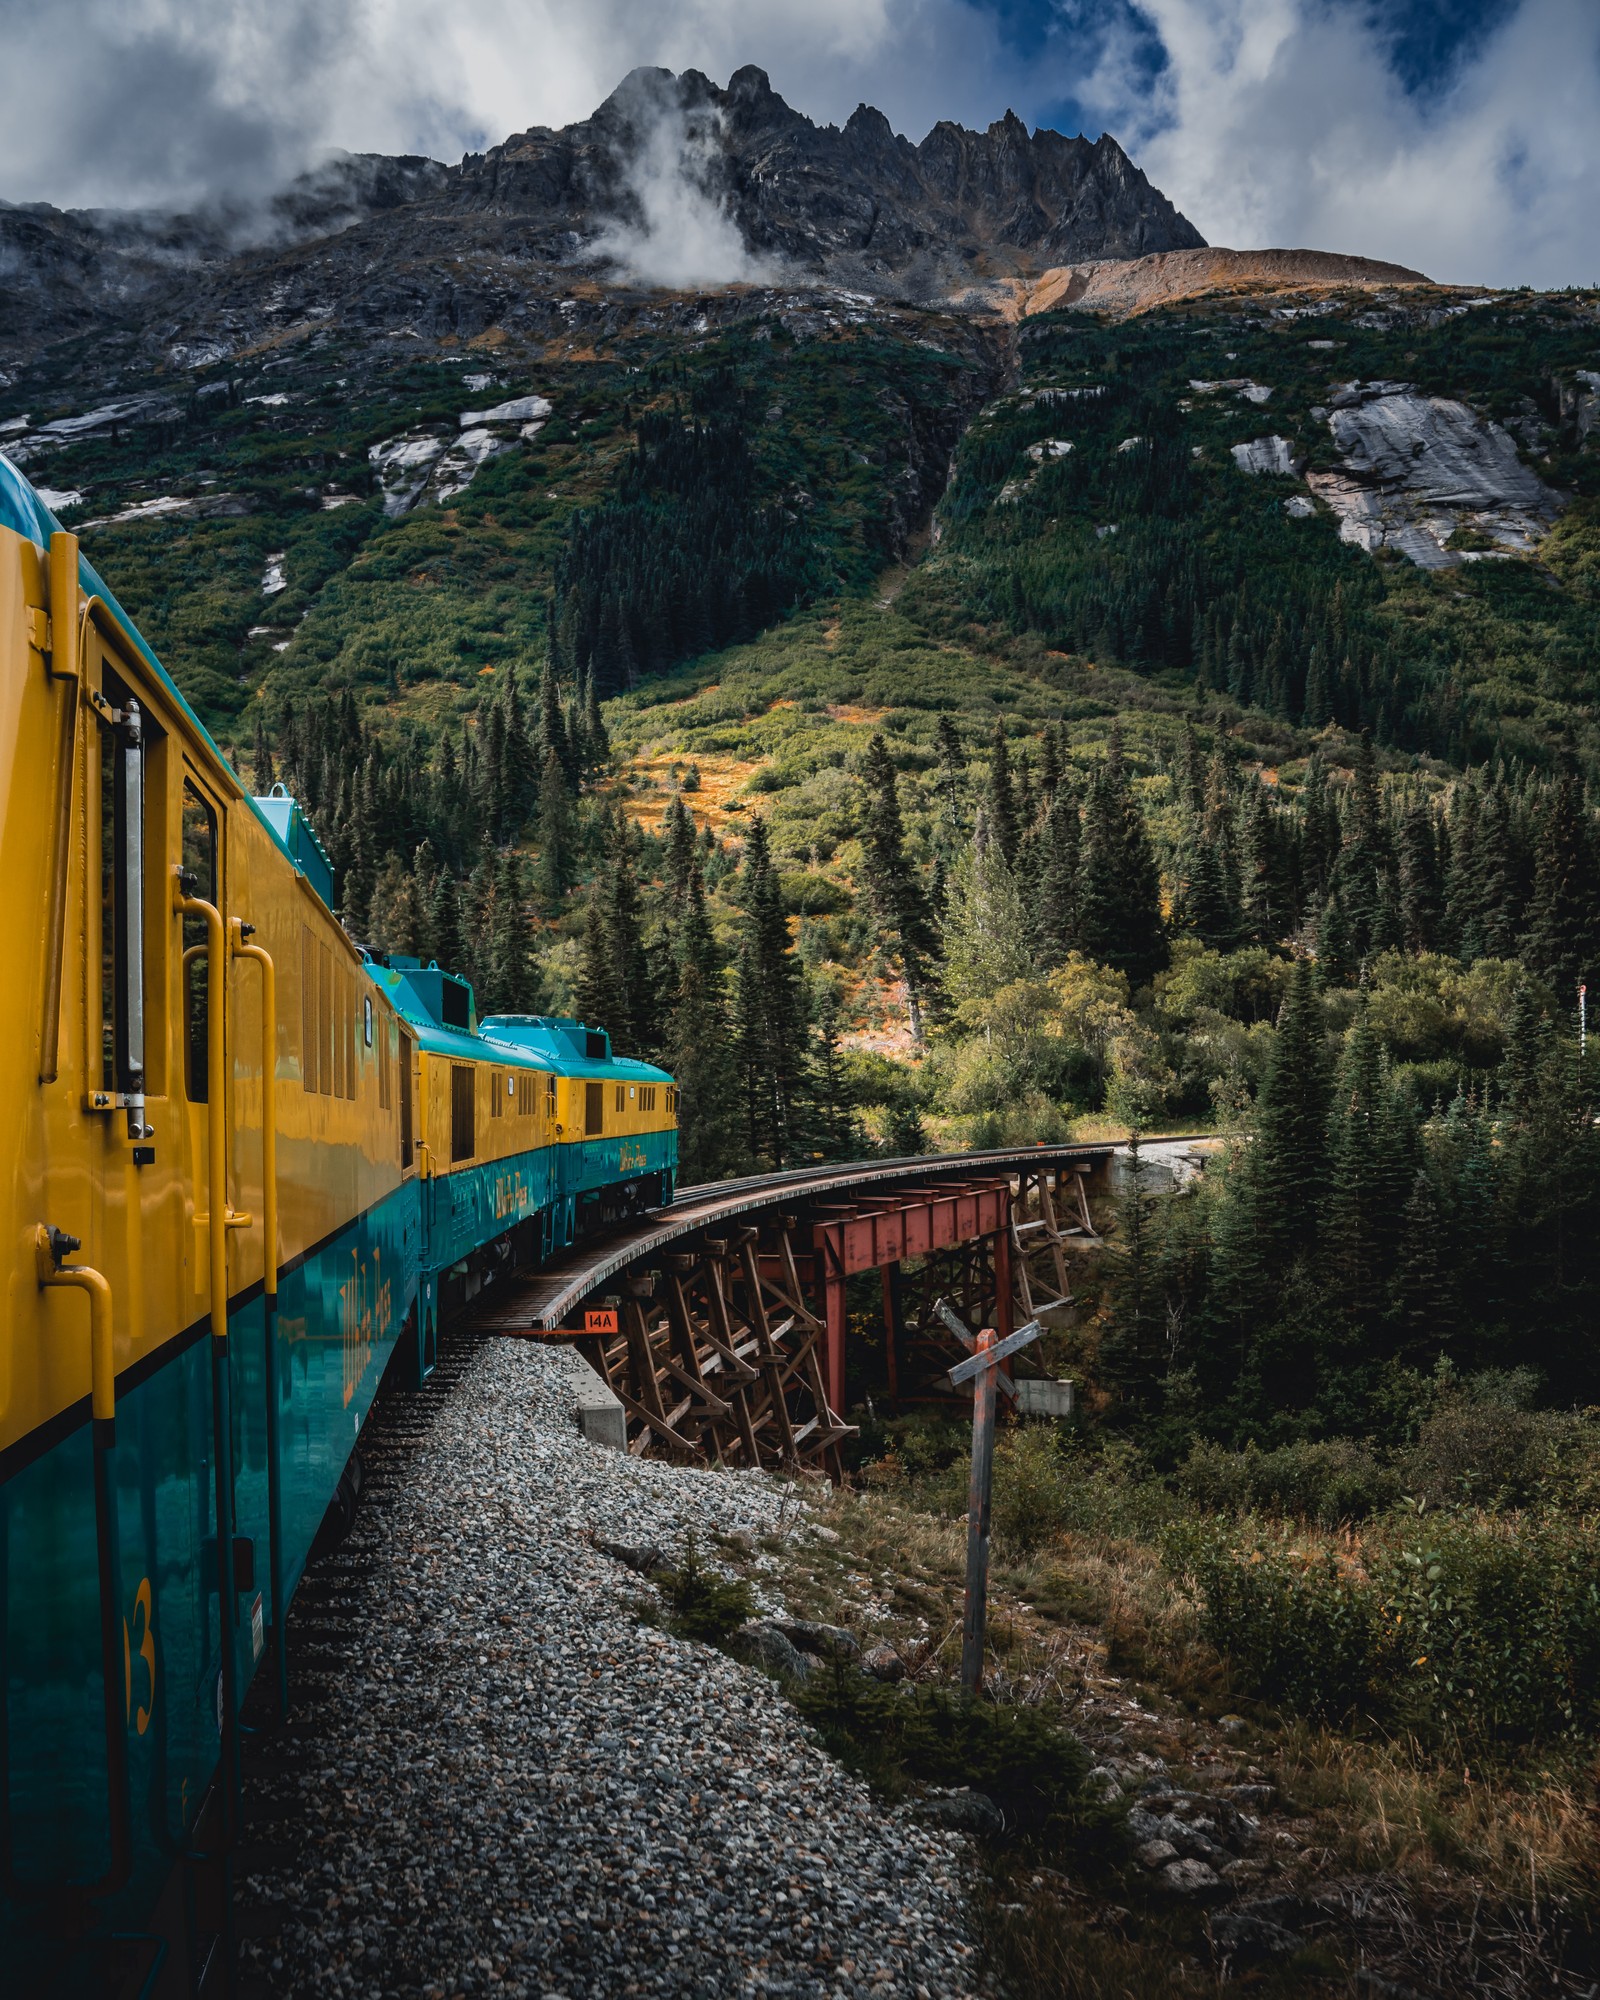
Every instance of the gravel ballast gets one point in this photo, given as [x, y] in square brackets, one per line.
[507, 1783]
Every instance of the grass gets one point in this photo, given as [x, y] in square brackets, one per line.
[1406, 1858]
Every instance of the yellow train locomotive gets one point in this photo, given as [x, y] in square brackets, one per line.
[249, 1167]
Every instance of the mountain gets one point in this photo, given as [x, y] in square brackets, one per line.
[407, 241]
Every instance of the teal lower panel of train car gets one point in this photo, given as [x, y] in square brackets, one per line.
[470, 1206]
[589, 1165]
[340, 1312]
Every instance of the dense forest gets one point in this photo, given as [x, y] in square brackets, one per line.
[918, 733]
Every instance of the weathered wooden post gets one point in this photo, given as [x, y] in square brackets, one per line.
[982, 1369]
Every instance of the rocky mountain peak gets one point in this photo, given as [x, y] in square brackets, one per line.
[782, 198]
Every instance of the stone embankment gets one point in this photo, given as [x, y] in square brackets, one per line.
[504, 1780]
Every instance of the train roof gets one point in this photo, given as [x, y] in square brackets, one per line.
[25, 514]
[570, 1048]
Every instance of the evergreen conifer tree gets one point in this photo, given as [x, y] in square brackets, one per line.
[771, 1010]
[262, 775]
[985, 929]
[1119, 893]
[1004, 823]
[1563, 918]
[697, 1043]
[596, 992]
[1056, 929]
[557, 857]
[898, 904]
[1289, 1158]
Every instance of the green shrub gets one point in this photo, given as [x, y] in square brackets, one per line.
[702, 1604]
[1338, 1480]
[1032, 1769]
[1032, 1494]
[1482, 1446]
[1302, 1630]
[1477, 1627]
[1497, 1623]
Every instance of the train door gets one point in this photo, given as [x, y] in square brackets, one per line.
[200, 1014]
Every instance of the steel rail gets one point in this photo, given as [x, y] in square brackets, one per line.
[543, 1299]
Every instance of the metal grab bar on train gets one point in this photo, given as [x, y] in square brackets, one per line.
[240, 932]
[217, 1223]
[63, 665]
[52, 1247]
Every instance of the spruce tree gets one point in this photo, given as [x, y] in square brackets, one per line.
[697, 1039]
[681, 861]
[632, 1021]
[771, 1010]
[1003, 818]
[1370, 1170]
[985, 929]
[1266, 894]
[898, 904]
[1056, 926]
[1119, 893]
[557, 856]
[596, 993]
[262, 775]
[1421, 892]
[1289, 1158]
[952, 761]
[1563, 931]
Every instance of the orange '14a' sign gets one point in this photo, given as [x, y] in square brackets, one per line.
[603, 1321]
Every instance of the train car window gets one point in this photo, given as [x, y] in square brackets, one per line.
[344, 1029]
[463, 1106]
[200, 867]
[594, 1045]
[405, 1099]
[366, 1018]
[338, 1021]
[594, 1109]
[308, 1010]
[454, 1006]
[122, 838]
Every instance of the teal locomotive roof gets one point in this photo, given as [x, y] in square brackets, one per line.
[569, 1047]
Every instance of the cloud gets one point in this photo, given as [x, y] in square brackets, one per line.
[680, 233]
[171, 102]
[1287, 123]
[1269, 122]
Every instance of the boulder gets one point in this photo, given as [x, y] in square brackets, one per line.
[827, 1642]
[964, 1812]
[764, 1645]
[1193, 1879]
[1243, 1933]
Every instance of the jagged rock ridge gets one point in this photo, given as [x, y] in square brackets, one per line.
[862, 195]
[393, 242]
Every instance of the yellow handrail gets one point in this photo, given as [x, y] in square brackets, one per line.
[49, 1248]
[269, 1103]
[221, 1218]
[65, 658]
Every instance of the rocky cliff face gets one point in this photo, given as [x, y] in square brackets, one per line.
[384, 244]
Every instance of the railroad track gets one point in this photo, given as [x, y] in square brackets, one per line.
[721, 1320]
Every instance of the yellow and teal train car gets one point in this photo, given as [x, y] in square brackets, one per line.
[248, 1166]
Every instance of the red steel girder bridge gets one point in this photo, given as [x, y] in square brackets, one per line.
[721, 1320]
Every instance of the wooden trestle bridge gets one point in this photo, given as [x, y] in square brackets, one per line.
[721, 1321]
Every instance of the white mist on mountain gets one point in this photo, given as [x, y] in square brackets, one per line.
[683, 236]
